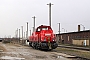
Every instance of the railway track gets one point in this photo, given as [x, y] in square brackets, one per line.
[73, 52]
[74, 47]
[72, 57]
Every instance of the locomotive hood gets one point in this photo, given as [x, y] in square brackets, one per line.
[47, 34]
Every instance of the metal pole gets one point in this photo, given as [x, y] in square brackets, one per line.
[30, 32]
[33, 29]
[64, 29]
[34, 23]
[26, 34]
[22, 34]
[10, 38]
[83, 27]
[27, 31]
[22, 31]
[17, 32]
[50, 13]
[59, 28]
[19, 35]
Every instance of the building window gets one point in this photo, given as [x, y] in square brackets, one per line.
[61, 36]
[87, 36]
[68, 38]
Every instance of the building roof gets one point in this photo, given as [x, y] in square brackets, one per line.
[74, 32]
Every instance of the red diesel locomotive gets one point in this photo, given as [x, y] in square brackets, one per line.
[43, 38]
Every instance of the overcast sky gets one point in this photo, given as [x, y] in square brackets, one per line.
[70, 13]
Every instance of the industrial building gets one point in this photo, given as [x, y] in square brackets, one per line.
[76, 38]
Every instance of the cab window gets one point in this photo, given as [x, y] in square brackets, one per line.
[44, 28]
[38, 30]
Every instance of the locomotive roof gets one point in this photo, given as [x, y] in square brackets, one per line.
[43, 26]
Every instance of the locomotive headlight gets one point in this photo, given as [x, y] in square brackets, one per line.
[53, 40]
[47, 34]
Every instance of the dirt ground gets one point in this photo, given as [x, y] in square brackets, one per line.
[19, 52]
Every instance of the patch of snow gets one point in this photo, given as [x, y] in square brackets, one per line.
[11, 58]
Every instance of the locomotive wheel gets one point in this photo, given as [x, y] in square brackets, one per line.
[30, 44]
[36, 47]
[50, 49]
